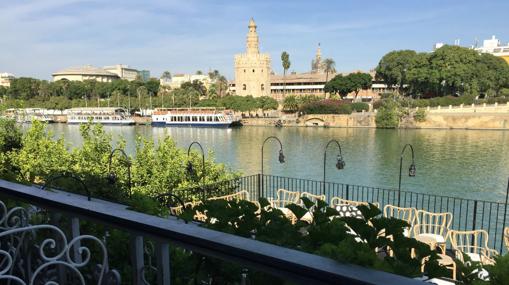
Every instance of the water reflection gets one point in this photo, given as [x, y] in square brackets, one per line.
[453, 162]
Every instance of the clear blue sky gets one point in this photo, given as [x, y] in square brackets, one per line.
[38, 37]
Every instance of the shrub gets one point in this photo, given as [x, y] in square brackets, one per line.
[328, 106]
[388, 115]
[420, 115]
[360, 106]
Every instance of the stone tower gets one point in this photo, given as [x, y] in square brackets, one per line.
[252, 68]
[317, 64]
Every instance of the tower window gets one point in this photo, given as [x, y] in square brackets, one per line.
[253, 70]
[244, 71]
[263, 87]
[243, 86]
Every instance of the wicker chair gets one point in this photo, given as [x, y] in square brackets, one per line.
[506, 237]
[241, 195]
[405, 214]
[472, 243]
[432, 227]
[336, 201]
[284, 198]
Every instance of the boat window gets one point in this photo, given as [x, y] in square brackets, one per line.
[216, 119]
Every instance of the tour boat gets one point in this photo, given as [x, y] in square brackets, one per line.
[106, 116]
[28, 115]
[194, 117]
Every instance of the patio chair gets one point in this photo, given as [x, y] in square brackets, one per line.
[432, 228]
[241, 195]
[506, 237]
[405, 214]
[284, 198]
[336, 201]
[474, 244]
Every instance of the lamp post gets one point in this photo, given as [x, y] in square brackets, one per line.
[411, 169]
[340, 163]
[190, 169]
[281, 158]
[112, 178]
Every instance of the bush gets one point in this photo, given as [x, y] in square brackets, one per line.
[420, 115]
[360, 106]
[328, 106]
[388, 115]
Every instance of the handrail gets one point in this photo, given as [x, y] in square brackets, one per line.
[287, 263]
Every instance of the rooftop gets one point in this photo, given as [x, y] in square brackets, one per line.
[85, 70]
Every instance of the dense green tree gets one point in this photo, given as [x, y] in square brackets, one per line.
[290, 104]
[393, 68]
[267, 103]
[340, 84]
[285, 61]
[166, 75]
[359, 81]
[197, 85]
[24, 88]
[329, 66]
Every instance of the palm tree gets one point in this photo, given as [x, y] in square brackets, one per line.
[285, 60]
[222, 84]
[330, 67]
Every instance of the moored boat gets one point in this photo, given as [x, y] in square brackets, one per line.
[27, 115]
[194, 117]
[106, 116]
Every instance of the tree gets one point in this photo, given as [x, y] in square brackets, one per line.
[166, 75]
[393, 68]
[330, 67]
[339, 85]
[142, 93]
[290, 104]
[285, 60]
[199, 72]
[359, 81]
[267, 103]
[197, 85]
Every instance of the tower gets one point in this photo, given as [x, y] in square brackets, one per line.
[316, 64]
[252, 68]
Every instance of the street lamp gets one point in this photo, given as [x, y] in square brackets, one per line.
[54, 178]
[340, 163]
[190, 168]
[112, 177]
[411, 169]
[281, 157]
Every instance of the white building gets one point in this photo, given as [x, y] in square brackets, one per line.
[5, 79]
[123, 71]
[177, 80]
[83, 73]
[494, 47]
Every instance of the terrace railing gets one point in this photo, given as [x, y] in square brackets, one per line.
[468, 214]
[60, 251]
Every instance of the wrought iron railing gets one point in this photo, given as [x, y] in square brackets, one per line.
[50, 226]
[468, 214]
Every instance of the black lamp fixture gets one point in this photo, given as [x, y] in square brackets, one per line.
[112, 177]
[340, 163]
[190, 168]
[411, 169]
[281, 157]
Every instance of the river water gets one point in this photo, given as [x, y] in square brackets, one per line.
[459, 163]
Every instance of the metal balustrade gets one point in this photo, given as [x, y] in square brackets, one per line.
[70, 256]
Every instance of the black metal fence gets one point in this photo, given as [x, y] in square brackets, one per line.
[468, 214]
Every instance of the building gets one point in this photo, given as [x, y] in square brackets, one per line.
[123, 71]
[83, 73]
[494, 47]
[317, 64]
[144, 75]
[5, 79]
[177, 80]
[252, 68]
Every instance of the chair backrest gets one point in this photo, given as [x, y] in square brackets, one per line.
[241, 195]
[175, 211]
[469, 241]
[405, 214]
[506, 237]
[432, 223]
[286, 197]
[336, 201]
[312, 197]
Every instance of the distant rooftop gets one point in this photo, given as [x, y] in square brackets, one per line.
[84, 70]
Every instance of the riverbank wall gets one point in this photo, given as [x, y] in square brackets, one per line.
[434, 120]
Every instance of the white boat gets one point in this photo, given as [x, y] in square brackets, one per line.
[194, 117]
[27, 115]
[106, 116]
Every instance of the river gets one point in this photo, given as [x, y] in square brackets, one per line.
[459, 163]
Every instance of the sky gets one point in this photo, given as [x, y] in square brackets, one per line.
[39, 37]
